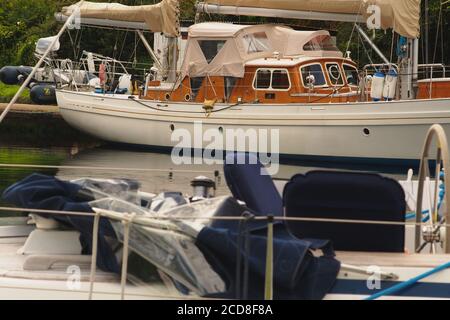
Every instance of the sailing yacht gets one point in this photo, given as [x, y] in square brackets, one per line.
[269, 77]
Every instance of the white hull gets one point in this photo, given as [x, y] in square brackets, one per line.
[319, 131]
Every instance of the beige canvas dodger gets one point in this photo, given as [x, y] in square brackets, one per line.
[160, 17]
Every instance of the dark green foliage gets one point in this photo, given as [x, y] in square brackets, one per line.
[22, 22]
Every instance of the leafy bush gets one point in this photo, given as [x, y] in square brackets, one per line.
[8, 92]
[22, 22]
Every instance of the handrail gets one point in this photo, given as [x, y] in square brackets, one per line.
[151, 220]
[432, 66]
[375, 65]
[443, 157]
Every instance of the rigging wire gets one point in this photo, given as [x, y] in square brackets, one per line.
[27, 166]
[123, 44]
[80, 37]
[353, 30]
[72, 42]
[368, 54]
[392, 47]
[150, 219]
[438, 29]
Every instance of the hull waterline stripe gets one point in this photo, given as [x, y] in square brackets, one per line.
[420, 289]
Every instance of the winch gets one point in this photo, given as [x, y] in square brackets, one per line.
[203, 188]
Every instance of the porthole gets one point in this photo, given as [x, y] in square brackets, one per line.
[187, 97]
[172, 128]
[167, 96]
[366, 132]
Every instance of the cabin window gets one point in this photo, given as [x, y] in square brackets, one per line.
[263, 78]
[313, 70]
[196, 84]
[211, 48]
[256, 42]
[230, 83]
[272, 79]
[334, 72]
[321, 43]
[351, 74]
[280, 80]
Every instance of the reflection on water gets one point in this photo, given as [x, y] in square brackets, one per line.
[155, 171]
[164, 175]
[16, 155]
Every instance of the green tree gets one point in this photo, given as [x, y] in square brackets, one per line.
[22, 22]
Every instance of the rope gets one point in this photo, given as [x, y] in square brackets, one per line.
[55, 212]
[31, 166]
[179, 111]
[409, 283]
[149, 220]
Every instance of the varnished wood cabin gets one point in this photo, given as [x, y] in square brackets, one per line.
[267, 64]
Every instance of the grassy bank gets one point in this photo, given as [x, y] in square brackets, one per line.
[7, 92]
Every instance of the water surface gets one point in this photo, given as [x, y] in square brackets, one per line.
[51, 142]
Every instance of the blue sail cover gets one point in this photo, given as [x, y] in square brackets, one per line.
[297, 273]
[44, 192]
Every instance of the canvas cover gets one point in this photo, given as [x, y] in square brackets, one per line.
[401, 15]
[160, 17]
[242, 43]
[199, 255]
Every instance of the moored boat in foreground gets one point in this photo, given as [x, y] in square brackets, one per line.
[330, 235]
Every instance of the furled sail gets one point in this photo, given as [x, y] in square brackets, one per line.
[401, 15]
[160, 17]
